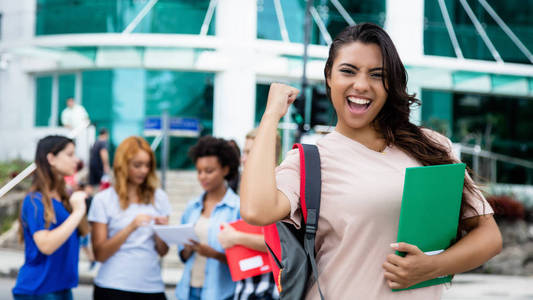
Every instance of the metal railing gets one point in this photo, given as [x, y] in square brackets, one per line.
[493, 157]
[30, 168]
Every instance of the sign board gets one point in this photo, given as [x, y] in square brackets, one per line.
[179, 127]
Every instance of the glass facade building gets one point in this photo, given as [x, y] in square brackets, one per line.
[121, 79]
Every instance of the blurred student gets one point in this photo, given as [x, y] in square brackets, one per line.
[206, 275]
[85, 240]
[99, 159]
[74, 115]
[234, 183]
[50, 224]
[260, 287]
[128, 248]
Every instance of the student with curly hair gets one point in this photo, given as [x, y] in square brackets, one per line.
[51, 223]
[206, 275]
[128, 248]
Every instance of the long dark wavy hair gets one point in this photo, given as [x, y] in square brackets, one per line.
[393, 119]
[46, 180]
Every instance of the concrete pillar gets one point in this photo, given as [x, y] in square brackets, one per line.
[78, 90]
[17, 96]
[405, 25]
[234, 90]
[55, 114]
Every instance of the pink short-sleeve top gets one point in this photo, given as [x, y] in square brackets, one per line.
[359, 213]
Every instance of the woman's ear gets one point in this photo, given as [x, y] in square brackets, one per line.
[51, 158]
[327, 82]
[225, 171]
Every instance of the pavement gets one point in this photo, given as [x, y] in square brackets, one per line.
[467, 286]
[11, 260]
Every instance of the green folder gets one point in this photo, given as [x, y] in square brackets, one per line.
[430, 210]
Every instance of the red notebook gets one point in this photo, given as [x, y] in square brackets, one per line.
[245, 262]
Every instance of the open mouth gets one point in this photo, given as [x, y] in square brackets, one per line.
[358, 105]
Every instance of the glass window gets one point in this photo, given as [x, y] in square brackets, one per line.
[186, 17]
[114, 103]
[190, 95]
[517, 14]
[91, 16]
[43, 100]
[498, 124]
[97, 98]
[261, 96]
[43, 97]
[67, 85]
[294, 15]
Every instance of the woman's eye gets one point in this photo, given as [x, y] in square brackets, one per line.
[347, 71]
[377, 75]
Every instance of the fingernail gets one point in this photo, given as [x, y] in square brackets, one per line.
[394, 245]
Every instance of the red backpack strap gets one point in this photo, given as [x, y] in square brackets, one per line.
[302, 180]
[310, 192]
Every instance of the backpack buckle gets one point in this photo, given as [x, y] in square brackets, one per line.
[310, 229]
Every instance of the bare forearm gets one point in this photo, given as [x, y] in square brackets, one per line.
[474, 249]
[48, 241]
[185, 254]
[160, 246]
[258, 185]
[252, 241]
[105, 160]
[221, 257]
[105, 249]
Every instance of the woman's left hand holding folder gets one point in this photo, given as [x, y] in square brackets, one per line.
[227, 236]
[415, 267]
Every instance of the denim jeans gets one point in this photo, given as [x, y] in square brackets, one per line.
[60, 295]
[195, 293]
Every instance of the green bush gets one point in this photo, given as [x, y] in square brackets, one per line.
[9, 169]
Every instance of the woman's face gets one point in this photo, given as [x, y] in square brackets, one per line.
[139, 167]
[246, 150]
[210, 173]
[357, 90]
[65, 161]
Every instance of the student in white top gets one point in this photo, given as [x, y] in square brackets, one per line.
[74, 115]
[121, 234]
[363, 165]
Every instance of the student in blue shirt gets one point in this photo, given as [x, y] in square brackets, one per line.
[206, 275]
[50, 224]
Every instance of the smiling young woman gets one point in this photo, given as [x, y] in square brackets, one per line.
[362, 188]
[357, 91]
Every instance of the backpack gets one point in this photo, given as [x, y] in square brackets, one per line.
[292, 251]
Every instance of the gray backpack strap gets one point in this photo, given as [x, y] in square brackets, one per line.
[311, 201]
